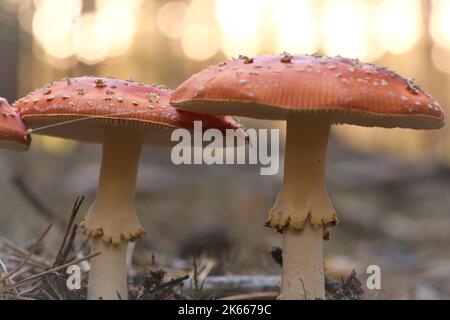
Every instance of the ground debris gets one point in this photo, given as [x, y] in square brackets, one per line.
[348, 289]
[155, 288]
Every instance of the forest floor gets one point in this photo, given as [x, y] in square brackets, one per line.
[210, 242]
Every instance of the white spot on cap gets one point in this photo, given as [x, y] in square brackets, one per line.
[404, 98]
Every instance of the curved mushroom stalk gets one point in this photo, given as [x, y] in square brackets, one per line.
[303, 209]
[112, 220]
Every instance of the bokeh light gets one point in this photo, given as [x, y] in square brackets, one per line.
[53, 25]
[55, 146]
[171, 19]
[90, 46]
[63, 30]
[199, 42]
[297, 29]
[116, 25]
[441, 58]
[240, 23]
[349, 29]
[399, 25]
[440, 22]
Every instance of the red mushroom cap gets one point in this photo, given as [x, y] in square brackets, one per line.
[271, 87]
[13, 132]
[83, 105]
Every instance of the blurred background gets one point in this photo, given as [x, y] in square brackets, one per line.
[390, 187]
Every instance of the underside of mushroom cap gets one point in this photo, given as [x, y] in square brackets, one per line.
[273, 87]
[79, 108]
[13, 132]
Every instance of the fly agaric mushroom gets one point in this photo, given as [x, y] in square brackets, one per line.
[13, 132]
[123, 116]
[311, 93]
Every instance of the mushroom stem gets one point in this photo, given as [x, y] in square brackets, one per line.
[108, 273]
[112, 219]
[303, 208]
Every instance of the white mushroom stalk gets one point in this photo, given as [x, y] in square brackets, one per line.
[303, 208]
[112, 220]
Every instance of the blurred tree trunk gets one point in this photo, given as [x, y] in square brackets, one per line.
[9, 52]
